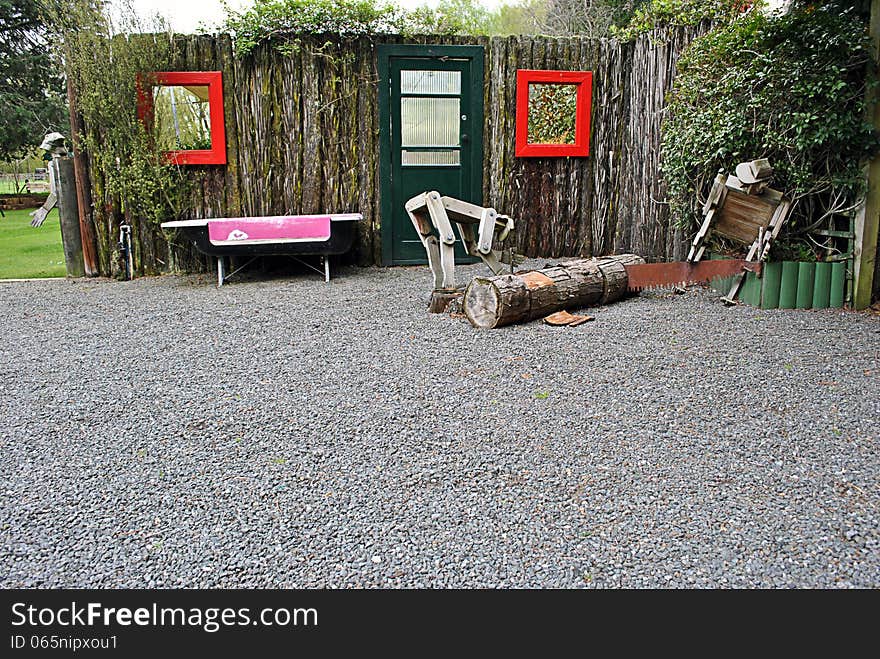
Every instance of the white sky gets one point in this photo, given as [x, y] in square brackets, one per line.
[186, 15]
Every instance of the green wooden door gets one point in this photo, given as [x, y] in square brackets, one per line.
[431, 125]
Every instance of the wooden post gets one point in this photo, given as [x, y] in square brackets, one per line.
[442, 301]
[507, 299]
[83, 189]
[71, 239]
[867, 219]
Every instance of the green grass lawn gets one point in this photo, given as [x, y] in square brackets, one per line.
[27, 251]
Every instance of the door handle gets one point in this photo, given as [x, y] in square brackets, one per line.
[465, 138]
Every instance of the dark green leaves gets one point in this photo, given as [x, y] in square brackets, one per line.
[790, 88]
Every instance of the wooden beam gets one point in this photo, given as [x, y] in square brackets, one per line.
[868, 218]
[83, 188]
[68, 215]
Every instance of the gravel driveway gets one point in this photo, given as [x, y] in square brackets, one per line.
[289, 433]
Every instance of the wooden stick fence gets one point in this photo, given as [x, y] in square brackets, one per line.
[303, 136]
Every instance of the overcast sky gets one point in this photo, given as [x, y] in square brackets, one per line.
[186, 15]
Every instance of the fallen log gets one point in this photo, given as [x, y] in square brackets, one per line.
[507, 299]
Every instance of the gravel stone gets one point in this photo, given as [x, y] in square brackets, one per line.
[284, 432]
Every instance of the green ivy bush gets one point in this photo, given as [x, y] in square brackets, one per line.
[792, 88]
[104, 70]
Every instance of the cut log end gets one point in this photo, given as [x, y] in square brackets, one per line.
[481, 303]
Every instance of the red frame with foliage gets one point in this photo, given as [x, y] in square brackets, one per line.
[216, 155]
[584, 82]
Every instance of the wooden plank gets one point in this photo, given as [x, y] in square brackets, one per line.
[369, 246]
[511, 199]
[742, 215]
[292, 149]
[230, 174]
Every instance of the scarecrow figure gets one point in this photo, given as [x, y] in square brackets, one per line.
[54, 147]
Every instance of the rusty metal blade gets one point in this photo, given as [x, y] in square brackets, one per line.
[658, 275]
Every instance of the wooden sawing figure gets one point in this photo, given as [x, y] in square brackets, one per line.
[429, 211]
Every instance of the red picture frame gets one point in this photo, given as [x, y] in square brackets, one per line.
[213, 80]
[584, 99]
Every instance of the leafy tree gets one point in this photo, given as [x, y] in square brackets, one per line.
[269, 20]
[680, 13]
[522, 17]
[591, 18]
[31, 90]
[450, 17]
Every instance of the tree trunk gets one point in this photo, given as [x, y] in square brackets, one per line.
[507, 299]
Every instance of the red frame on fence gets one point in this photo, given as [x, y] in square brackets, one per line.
[584, 82]
[216, 155]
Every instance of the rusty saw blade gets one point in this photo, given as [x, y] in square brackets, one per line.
[659, 275]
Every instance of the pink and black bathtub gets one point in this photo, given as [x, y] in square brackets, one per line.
[290, 235]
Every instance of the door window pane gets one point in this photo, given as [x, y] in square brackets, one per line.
[429, 121]
[444, 157]
[430, 82]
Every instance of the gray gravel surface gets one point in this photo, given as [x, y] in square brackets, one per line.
[283, 432]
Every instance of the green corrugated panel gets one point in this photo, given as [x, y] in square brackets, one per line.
[805, 283]
[822, 286]
[722, 285]
[838, 284]
[719, 285]
[788, 285]
[750, 291]
[772, 279]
